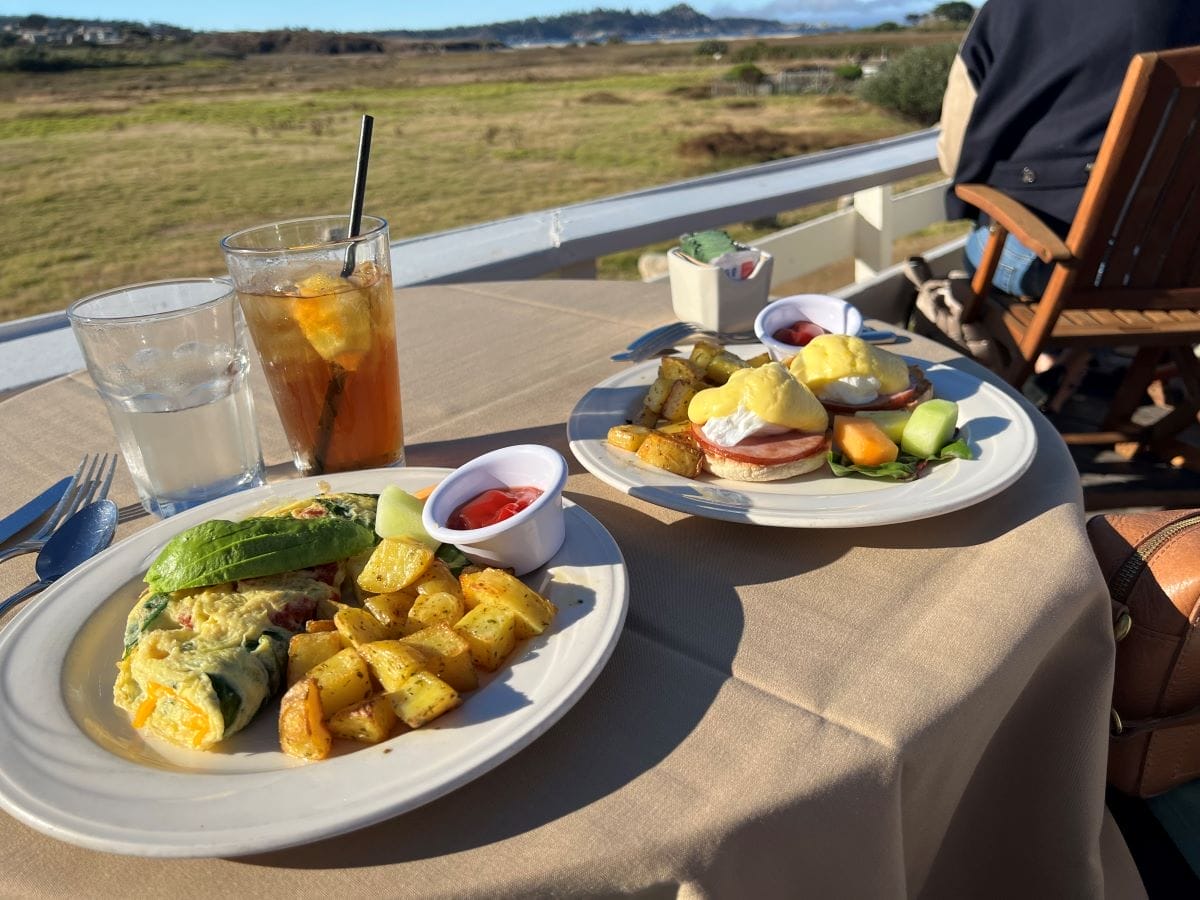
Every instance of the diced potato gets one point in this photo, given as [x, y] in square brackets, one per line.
[327, 609]
[702, 354]
[449, 655]
[534, 612]
[422, 699]
[679, 369]
[490, 630]
[656, 396]
[395, 563]
[306, 651]
[665, 452]
[302, 731]
[722, 365]
[393, 662]
[353, 568]
[627, 437]
[342, 680]
[675, 409]
[314, 625]
[676, 429]
[391, 608]
[368, 722]
[358, 626]
[762, 359]
[442, 607]
[439, 578]
[647, 418]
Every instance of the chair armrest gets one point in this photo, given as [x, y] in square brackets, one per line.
[1020, 221]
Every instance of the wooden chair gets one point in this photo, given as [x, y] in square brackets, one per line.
[1128, 273]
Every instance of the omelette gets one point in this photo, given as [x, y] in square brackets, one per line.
[199, 662]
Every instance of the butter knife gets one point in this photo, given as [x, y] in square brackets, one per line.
[33, 510]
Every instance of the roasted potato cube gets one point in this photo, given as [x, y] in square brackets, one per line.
[393, 662]
[314, 625]
[358, 626]
[422, 699]
[302, 731]
[656, 396]
[627, 437]
[761, 360]
[306, 651]
[647, 418]
[676, 407]
[722, 366]
[670, 453]
[391, 608]
[675, 429]
[353, 568]
[439, 578]
[702, 354]
[534, 612]
[367, 722]
[679, 369]
[449, 655]
[490, 630]
[342, 680]
[442, 607]
[395, 563]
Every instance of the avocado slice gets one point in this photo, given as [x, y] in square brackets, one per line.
[219, 550]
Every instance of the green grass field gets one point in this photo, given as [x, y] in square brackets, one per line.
[118, 175]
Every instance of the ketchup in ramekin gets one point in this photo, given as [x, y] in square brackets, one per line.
[492, 506]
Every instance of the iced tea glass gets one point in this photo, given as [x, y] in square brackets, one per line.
[319, 307]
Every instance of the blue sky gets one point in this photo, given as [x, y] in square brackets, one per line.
[229, 15]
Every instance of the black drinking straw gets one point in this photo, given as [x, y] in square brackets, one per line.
[337, 374]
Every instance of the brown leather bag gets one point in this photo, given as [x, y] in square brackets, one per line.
[1151, 562]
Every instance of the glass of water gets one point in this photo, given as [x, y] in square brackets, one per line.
[170, 359]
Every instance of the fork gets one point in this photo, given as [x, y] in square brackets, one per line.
[79, 493]
[658, 339]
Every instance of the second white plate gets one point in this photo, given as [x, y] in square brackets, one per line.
[993, 423]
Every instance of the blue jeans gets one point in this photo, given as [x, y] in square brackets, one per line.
[1019, 272]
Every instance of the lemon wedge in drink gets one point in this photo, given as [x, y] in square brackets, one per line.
[335, 318]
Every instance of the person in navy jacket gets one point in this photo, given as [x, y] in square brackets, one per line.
[1027, 102]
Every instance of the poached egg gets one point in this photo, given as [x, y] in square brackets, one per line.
[761, 401]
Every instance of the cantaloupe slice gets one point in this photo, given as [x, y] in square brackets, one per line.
[863, 442]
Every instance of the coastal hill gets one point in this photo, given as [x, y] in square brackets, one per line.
[676, 23]
[679, 22]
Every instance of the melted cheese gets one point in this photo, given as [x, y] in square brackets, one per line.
[761, 398]
[839, 358]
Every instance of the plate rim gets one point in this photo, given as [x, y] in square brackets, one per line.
[19, 797]
[582, 448]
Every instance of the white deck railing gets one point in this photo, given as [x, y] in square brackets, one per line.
[567, 241]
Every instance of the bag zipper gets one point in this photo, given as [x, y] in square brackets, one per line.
[1123, 581]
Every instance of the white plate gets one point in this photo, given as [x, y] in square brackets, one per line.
[993, 424]
[72, 766]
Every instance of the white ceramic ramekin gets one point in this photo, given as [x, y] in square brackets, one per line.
[522, 542]
[831, 313]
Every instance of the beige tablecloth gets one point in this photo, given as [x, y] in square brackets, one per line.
[911, 710]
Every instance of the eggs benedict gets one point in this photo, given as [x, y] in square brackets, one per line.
[847, 375]
[761, 425]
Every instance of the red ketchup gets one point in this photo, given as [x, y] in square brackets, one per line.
[799, 333]
[492, 506]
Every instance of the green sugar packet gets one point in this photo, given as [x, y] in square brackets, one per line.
[218, 550]
[705, 246]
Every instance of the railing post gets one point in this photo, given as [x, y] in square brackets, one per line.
[873, 226]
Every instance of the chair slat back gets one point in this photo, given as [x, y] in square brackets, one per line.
[1137, 232]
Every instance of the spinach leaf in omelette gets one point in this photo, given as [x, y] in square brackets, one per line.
[218, 550]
